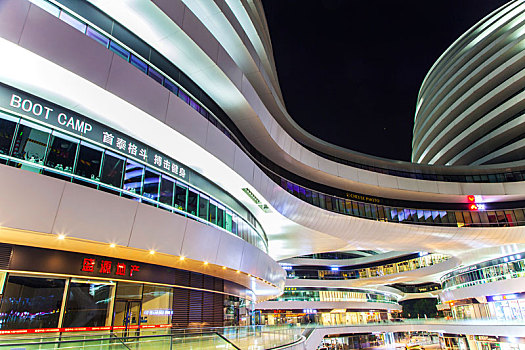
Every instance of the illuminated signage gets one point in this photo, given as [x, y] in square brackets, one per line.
[108, 267]
[503, 297]
[309, 311]
[475, 202]
[64, 119]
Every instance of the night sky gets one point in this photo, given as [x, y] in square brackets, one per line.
[350, 70]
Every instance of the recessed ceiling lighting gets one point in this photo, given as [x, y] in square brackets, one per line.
[61, 236]
[112, 245]
[152, 252]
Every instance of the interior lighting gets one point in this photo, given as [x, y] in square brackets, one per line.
[61, 236]
[152, 251]
[181, 258]
[224, 267]
[471, 198]
[205, 263]
[112, 245]
[238, 271]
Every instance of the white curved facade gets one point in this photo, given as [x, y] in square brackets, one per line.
[470, 106]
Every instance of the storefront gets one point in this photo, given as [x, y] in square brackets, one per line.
[50, 291]
[323, 317]
[498, 307]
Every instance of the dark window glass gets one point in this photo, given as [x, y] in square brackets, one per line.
[328, 202]
[322, 202]
[213, 213]
[87, 305]
[180, 197]
[355, 209]
[61, 152]
[7, 130]
[151, 184]
[101, 38]
[203, 207]
[192, 202]
[194, 105]
[171, 86]
[368, 211]
[361, 207]
[166, 190]
[137, 62]
[155, 75]
[183, 96]
[89, 160]
[112, 169]
[133, 177]
[220, 217]
[315, 198]
[119, 50]
[31, 142]
[308, 195]
[31, 302]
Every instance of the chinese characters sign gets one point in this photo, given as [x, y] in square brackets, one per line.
[105, 266]
[61, 118]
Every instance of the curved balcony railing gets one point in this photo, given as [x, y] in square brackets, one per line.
[508, 267]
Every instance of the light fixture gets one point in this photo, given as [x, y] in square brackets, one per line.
[224, 267]
[205, 263]
[61, 236]
[112, 245]
[181, 258]
[152, 251]
[238, 271]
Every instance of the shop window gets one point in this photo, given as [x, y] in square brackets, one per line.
[129, 291]
[61, 152]
[89, 160]
[180, 196]
[204, 202]
[156, 305]
[151, 184]
[228, 222]
[31, 142]
[133, 177]
[315, 198]
[220, 217]
[183, 96]
[112, 167]
[166, 190]
[213, 212]
[192, 201]
[31, 302]
[88, 304]
[7, 130]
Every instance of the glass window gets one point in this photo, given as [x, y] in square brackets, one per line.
[99, 37]
[61, 152]
[180, 196]
[151, 184]
[133, 176]
[156, 305]
[88, 304]
[166, 190]
[31, 302]
[213, 212]
[228, 223]
[220, 216]
[31, 142]
[7, 131]
[138, 63]
[192, 201]
[89, 160]
[235, 225]
[183, 96]
[155, 75]
[171, 86]
[112, 167]
[119, 50]
[72, 21]
[315, 198]
[204, 201]
[194, 105]
[129, 291]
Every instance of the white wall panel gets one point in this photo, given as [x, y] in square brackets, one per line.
[65, 46]
[157, 229]
[138, 89]
[94, 215]
[198, 32]
[28, 201]
[174, 9]
[230, 251]
[181, 117]
[220, 146]
[250, 258]
[12, 18]
[201, 242]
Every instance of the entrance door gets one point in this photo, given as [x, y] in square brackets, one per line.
[127, 315]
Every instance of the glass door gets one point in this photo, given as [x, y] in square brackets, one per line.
[127, 316]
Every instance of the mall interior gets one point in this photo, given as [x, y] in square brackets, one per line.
[181, 206]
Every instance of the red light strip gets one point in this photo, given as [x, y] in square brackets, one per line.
[80, 329]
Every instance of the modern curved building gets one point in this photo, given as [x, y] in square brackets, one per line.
[151, 173]
[470, 105]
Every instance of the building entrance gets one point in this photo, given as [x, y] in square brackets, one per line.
[127, 315]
